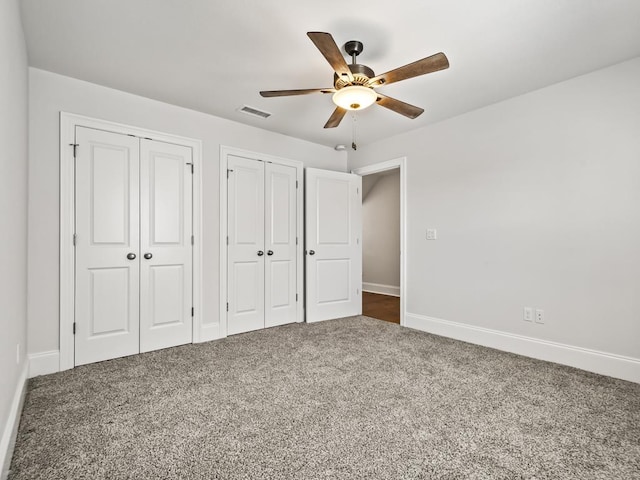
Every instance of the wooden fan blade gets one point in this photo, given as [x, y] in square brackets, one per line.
[430, 64]
[335, 118]
[397, 106]
[328, 47]
[285, 93]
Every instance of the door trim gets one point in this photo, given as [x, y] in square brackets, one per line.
[225, 151]
[68, 124]
[400, 163]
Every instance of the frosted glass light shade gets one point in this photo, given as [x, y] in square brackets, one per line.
[354, 97]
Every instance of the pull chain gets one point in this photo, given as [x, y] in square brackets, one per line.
[353, 137]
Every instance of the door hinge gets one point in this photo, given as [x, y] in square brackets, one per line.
[193, 240]
[75, 239]
[75, 146]
[191, 165]
[296, 240]
[296, 183]
[357, 191]
[227, 306]
[227, 239]
[74, 328]
[229, 170]
[296, 297]
[192, 311]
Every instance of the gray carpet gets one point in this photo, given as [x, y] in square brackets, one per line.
[345, 399]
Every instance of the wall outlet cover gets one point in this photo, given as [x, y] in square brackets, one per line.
[527, 314]
[539, 315]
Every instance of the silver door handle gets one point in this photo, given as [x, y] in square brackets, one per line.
[270, 252]
[131, 256]
[260, 253]
[147, 256]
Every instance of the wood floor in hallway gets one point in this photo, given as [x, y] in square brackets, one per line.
[382, 307]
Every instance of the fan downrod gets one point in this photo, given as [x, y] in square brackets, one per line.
[353, 49]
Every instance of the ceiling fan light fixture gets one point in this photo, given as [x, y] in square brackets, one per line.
[355, 97]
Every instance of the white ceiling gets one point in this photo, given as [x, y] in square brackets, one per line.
[216, 55]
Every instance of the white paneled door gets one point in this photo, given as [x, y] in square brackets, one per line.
[333, 219]
[245, 257]
[107, 244]
[280, 244]
[261, 252]
[132, 245]
[165, 245]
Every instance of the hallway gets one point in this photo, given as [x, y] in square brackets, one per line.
[382, 307]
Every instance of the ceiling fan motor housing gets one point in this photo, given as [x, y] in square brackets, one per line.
[361, 75]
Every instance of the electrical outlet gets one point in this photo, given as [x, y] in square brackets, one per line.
[539, 315]
[527, 314]
[432, 234]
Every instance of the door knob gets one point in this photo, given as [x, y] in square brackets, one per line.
[147, 256]
[131, 256]
[312, 252]
[260, 253]
[270, 252]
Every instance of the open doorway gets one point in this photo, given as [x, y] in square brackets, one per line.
[382, 240]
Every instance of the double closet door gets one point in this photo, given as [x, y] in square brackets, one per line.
[261, 256]
[133, 245]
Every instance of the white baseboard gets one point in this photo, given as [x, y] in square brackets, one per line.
[209, 331]
[8, 440]
[381, 289]
[618, 366]
[44, 363]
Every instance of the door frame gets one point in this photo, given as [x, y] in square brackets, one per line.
[400, 163]
[68, 124]
[225, 151]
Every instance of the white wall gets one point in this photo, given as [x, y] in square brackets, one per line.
[537, 203]
[381, 230]
[13, 216]
[50, 94]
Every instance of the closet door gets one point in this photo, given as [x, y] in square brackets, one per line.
[165, 245]
[245, 252]
[280, 244]
[107, 246]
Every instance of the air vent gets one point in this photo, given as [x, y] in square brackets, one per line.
[254, 111]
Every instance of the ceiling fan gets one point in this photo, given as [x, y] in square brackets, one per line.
[354, 85]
